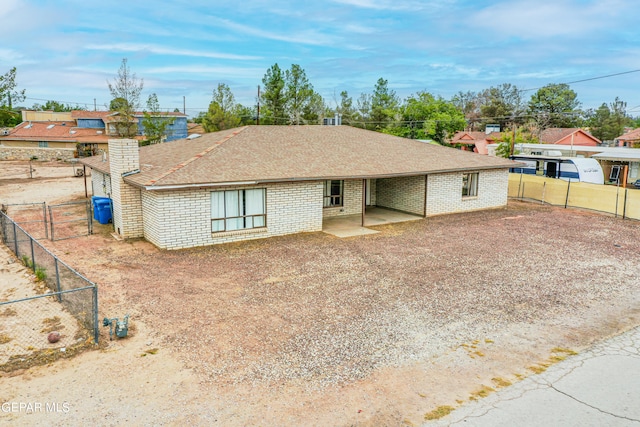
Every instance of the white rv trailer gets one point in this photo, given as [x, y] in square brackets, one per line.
[566, 168]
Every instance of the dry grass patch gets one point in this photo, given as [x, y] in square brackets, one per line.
[484, 391]
[439, 412]
[52, 324]
[501, 382]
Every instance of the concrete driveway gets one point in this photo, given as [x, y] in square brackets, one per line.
[598, 387]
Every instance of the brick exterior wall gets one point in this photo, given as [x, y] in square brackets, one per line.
[182, 219]
[403, 193]
[373, 184]
[100, 184]
[352, 200]
[124, 157]
[444, 192]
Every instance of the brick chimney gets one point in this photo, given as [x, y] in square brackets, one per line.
[124, 160]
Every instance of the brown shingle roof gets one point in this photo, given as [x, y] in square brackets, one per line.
[286, 153]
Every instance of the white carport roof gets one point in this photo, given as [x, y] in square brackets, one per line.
[620, 156]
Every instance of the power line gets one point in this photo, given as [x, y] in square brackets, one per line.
[586, 80]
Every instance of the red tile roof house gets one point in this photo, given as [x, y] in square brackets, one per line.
[568, 136]
[476, 140]
[262, 181]
[629, 139]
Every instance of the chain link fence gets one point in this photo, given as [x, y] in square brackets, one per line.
[62, 305]
[55, 222]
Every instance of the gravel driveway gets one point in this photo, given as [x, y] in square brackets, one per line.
[316, 313]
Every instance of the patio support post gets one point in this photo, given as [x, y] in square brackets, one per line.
[364, 198]
[426, 183]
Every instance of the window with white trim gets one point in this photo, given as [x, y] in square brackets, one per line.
[470, 184]
[333, 193]
[238, 209]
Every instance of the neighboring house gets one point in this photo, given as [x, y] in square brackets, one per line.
[475, 141]
[86, 132]
[568, 136]
[195, 129]
[629, 139]
[176, 129]
[262, 181]
[63, 135]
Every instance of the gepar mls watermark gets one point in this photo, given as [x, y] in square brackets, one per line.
[35, 407]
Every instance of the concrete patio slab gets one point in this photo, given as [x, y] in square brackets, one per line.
[351, 225]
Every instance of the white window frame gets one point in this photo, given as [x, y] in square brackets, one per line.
[331, 200]
[238, 209]
[470, 184]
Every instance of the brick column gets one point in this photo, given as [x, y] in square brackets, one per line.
[124, 157]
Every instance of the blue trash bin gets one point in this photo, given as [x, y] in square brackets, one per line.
[103, 211]
[94, 201]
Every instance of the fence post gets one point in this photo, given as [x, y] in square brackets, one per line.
[15, 238]
[89, 219]
[51, 220]
[566, 200]
[33, 255]
[44, 218]
[624, 205]
[96, 328]
[55, 261]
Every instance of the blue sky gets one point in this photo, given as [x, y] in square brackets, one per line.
[66, 50]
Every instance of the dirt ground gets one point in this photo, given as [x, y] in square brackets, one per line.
[311, 329]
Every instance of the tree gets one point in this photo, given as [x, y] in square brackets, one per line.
[506, 142]
[608, 121]
[424, 116]
[363, 110]
[384, 104]
[274, 97]
[555, 105]
[501, 104]
[346, 108]
[125, 91]
[469, 104]
[298, 93]
[153, 124]
[8, 96]
[223, 111]
[314, 108]
[56, 107]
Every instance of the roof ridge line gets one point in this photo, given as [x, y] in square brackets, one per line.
[179, 166]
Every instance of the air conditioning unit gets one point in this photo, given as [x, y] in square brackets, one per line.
[5, 132]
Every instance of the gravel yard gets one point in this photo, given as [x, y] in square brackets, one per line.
[315, 313]
[373, 330]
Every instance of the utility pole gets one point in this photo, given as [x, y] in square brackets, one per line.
[184, 104]
[95, 106]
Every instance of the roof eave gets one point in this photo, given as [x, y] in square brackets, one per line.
[316, 178]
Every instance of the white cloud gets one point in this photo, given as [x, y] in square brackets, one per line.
[236, 72]
[534, 19]
[310, 36]
[407, 5]
[162, 50]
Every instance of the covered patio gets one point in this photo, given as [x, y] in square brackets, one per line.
[351, 225]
